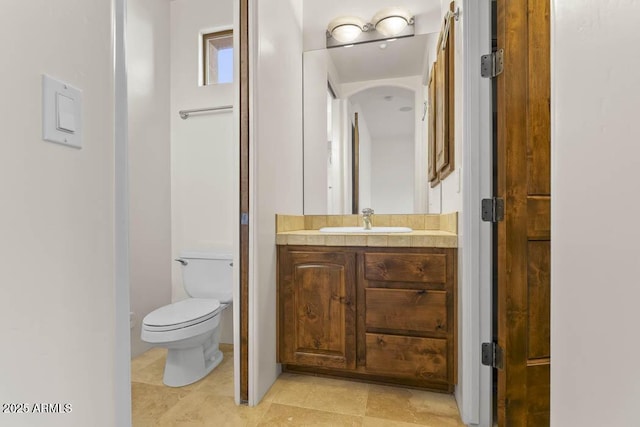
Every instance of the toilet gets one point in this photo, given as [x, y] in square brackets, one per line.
[190, 329]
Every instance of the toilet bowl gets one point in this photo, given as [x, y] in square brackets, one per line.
[190, 329]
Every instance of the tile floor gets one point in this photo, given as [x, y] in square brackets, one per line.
[294, 400]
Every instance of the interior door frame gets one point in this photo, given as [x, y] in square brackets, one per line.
[244, 197]
[474, 390]
[122, 350]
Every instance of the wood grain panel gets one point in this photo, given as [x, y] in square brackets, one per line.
[431, 130]
[442, 124]
[538, 378]
[403, 267]
[450, 92]
[360, 312]
[539, 99]
[409, 310]
[539, 279]
[407, 357]
[539, 217]
[523, 181]
[317, 308]
[319, 294]
[512, 175]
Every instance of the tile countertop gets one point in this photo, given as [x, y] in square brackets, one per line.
[438, 231]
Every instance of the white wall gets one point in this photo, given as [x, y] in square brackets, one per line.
[416, 193]
[392, 183]
[594, 256]
[57, 310]
[149, 162]
[336, 172]
[203, 199]
[316, 71]
[276, 169]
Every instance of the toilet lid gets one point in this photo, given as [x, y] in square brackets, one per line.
[188, 310]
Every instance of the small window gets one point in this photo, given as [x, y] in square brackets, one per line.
[217, 57]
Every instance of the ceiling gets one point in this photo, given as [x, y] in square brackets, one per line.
[380, 106]
[401, 58]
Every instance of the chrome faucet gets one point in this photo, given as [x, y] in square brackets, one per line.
[367, 213]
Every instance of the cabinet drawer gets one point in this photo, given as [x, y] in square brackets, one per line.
[407, 357]
[402, 267]
[402, 309]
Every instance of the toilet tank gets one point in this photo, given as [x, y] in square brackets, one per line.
[208, 275]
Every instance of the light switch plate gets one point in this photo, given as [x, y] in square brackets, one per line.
[61, 112]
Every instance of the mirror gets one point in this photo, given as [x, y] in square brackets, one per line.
[364, 134]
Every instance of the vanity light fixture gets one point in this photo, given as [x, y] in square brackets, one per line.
[346, 29]
[391, 21]
[388, 24]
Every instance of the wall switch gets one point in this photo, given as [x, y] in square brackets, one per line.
[65, 114]
[61, 112]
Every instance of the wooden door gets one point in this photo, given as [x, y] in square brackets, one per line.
[524, 237]
[243, 226]
[317, 323]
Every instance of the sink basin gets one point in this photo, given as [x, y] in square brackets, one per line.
[362, 230]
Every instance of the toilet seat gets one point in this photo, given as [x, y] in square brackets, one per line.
[181, 314]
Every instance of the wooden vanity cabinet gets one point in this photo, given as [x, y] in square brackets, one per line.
[409, 315]
[381, 314]
[317, 314]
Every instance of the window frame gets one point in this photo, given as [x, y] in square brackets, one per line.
[206, 37]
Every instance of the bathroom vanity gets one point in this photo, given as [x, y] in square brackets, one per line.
[372, 307]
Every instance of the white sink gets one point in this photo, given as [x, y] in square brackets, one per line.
[362, 230]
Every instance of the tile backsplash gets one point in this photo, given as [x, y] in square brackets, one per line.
[444, 222]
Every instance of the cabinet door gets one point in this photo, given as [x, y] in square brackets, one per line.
[317, 308]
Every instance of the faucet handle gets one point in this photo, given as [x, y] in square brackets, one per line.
[367, 211]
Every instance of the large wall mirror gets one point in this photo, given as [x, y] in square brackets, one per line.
[365, 142]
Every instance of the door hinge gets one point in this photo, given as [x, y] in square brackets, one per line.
[493, 209]
[492, 355]
[244, 218]
[492, 65]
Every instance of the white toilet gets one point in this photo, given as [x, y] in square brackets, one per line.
[190, 328]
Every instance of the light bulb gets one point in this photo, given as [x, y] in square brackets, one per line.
[346, 33]
[346, 28]
[391, 26]
[391, 21]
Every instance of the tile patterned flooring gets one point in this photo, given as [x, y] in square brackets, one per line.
[294, 400]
